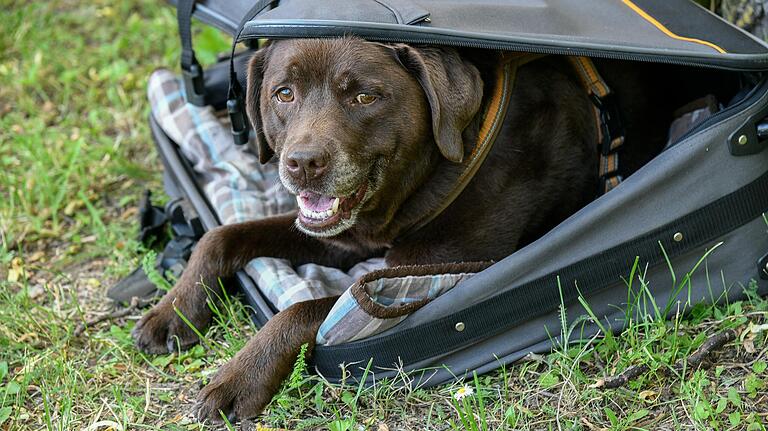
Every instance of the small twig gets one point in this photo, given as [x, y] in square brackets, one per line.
[547, 394]
[712, 343]
[135, 302]
[622, 379]
[692, 362]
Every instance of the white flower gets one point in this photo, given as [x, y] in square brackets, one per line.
[463, 392]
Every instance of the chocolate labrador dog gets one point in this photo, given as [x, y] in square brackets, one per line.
[366, 136]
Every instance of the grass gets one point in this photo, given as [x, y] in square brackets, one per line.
[75, 153]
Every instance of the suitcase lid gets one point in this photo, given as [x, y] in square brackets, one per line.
[669, 31]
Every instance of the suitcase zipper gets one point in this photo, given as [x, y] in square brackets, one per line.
[305, 30]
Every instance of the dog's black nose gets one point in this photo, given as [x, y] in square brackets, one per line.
[306, 165]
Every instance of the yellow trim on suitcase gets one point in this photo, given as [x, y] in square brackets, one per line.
[666, 31]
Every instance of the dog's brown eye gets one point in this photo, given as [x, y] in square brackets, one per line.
[365, 99]
[285, 95]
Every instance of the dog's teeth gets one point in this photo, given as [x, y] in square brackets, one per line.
[318, 215]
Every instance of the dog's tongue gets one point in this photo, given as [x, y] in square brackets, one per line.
[316, 202]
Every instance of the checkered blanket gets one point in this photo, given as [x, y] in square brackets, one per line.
[240, 189]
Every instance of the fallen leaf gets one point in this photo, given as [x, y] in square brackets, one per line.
[106, 12]
[648, 395]
[72, 206]
[590, 425]
[13, 275]
[749, 345]
[34, 257]
[16, 271]
[598, 384]
[129, 213]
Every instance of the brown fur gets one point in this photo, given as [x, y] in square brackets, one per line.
[541, 169]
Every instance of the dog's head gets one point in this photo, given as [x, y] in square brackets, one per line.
[357, 125]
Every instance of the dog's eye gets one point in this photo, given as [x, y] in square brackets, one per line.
[284, 95]
[365, 99]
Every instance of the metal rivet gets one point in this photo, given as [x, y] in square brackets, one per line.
[459, 326]
[743, 140]
[677, 236]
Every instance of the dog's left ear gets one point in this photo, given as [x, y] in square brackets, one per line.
[454, 90]
[255, 75]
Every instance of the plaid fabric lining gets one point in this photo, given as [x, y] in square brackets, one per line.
[348, 321]
[241, 189]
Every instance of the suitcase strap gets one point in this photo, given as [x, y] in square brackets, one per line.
[236, 96]
[192, 71]
[610, 132]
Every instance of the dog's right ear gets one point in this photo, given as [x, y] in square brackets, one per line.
[255, 75]
[453, 88]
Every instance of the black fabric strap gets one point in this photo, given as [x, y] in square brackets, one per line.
[191, 70]
[236, 95]
[184, 18]
[522, 303]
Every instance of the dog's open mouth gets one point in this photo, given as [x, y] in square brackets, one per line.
[319, 212]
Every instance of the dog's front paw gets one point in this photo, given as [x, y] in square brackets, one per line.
[161, 330]
[236, 391]
[245, 385]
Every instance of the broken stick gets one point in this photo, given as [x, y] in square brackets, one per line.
[692, 362]
[135, 302]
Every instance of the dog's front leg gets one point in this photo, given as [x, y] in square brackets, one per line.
[245, 385]
[220, 253]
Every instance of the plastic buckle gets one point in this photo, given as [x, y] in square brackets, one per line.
[238, 120]
[610, 120]
[185, 222]
[194, 84]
